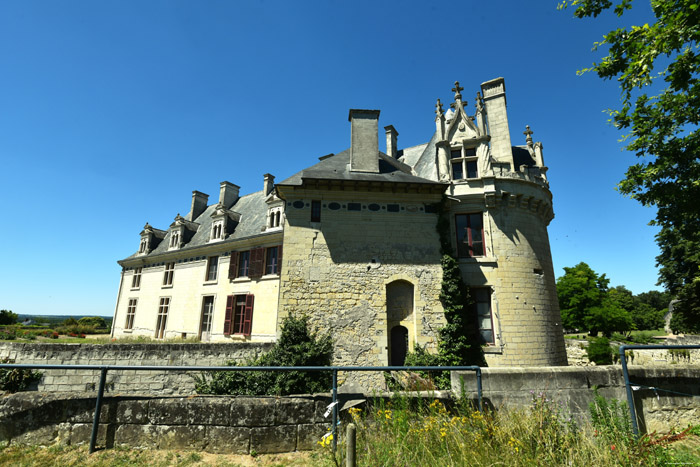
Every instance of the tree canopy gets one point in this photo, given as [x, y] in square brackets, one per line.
[7, 317]
[658, 69]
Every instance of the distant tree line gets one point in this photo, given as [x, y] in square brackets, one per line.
[587, 303]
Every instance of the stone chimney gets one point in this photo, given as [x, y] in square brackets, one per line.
[495, 101]
[391, 134]
[364, 149]
[199, 204]
[228, 194]
[268, 183]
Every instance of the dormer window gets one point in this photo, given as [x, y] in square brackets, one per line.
[464, 163]
[174, 240]
[217, 230]
[143, 247]
[274, 218]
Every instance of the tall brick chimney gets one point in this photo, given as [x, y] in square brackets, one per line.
[228, 194]
[494, 92]
[391, 141]
[364, 149]
[199, 204]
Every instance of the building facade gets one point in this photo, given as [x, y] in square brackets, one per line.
[352, 242]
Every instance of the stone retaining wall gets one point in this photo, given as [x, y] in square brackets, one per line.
[573, 386]
[126, 382]
[241, 425]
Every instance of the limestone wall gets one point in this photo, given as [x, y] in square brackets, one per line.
[241, 425]
[126, 382]
[674, 402]
[337, 270]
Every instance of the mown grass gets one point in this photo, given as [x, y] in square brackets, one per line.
[66, 456]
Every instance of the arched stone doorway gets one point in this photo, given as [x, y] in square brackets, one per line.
[399, 314]
[399, 346]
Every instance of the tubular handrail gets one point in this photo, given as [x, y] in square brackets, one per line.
[626, 375]
[335, 369]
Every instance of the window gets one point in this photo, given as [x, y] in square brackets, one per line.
[481, 308]
[217, 231]
[174, 239]
[169, 272]
[136, 280]
[130, 312]
[464, 163]
[162, 317]
[240, 264]
[239, 315]
[272, 259]
[470, 235]
[207, 314]
[212, 265]
[143, 246]
[315, 211]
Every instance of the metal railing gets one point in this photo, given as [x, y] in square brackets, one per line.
[334, 391]
[626, 375]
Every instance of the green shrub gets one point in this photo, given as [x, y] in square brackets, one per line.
[599, 351]
[94, 321]
[75, 329]
[7, 317]
[17, 379]
[297, 346]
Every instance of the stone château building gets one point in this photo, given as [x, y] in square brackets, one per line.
[352, 242]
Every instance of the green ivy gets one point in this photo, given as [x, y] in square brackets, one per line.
[17, 379]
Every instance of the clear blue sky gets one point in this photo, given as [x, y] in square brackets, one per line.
[112, 112]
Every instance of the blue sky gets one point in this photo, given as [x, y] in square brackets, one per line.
[112, 112]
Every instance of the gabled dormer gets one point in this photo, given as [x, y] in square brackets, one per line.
[180, 232]
[150, 239]
[275, 205]
[462, 145]
[223, 223]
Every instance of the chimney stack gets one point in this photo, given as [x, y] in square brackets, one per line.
[364, 149]
[269, 183]
[391, 134]
[199, 204]
[495, 101]
[228, 194]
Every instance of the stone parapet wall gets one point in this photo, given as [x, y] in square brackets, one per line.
[241, 425]
[577, 356]
[126, 382]
[659, 409]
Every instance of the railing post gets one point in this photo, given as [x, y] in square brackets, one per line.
[334, 429]
[478, 389]
[350, 446]
[98, 409]
[628, 389]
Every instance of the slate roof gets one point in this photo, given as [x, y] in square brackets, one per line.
[337, 167]
[252, 208]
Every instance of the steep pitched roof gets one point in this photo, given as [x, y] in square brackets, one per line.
[337, 167]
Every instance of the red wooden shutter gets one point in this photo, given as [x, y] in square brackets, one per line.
[248, 319]
[230, 303]
[279, 259]
[233, 265]
[257, 260]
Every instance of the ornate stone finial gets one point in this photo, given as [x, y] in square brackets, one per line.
[147, 226]
[528, 135]
[479, 104]
[456, 90]
[438, 108]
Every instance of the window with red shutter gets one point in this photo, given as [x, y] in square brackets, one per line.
[257, 259]
[228, 317]
[248, 319]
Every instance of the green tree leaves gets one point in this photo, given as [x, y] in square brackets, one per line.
[7, 317]
[662, 129]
